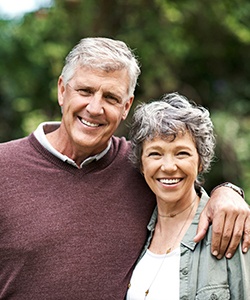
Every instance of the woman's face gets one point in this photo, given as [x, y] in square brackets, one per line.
[170, 167]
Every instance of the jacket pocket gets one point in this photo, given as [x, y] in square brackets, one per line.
[218, 292]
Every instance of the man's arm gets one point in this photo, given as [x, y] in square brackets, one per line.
[230, 215]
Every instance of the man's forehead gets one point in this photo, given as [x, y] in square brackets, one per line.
[99, 79]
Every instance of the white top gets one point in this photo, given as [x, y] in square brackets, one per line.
[159, 273]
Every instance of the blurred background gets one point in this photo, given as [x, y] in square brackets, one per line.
[199, 48]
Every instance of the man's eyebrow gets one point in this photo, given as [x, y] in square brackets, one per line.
[115, 94]
[83, 85]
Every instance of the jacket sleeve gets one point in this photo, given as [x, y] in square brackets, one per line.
[239, 275]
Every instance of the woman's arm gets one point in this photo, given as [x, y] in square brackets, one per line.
[230, 215]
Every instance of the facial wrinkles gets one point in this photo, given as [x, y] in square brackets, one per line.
[113, 83]
[170, 160]
[98, 124]
[100, 83]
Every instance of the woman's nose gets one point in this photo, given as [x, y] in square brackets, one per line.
[168, 165]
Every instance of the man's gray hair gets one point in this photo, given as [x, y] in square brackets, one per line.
[171, 115]
[105, 54]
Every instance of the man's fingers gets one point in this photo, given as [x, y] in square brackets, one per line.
[217, 233]
[241, 232]
[246, 235]
[236, 236]
[230, 234]
[202, 227]
[230, 224]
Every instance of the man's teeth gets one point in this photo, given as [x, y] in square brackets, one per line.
[89, 124]
[170, 181]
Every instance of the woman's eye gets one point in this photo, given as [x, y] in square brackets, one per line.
[154, 154]
[183, 153]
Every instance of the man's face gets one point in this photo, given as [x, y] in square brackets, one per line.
[94, 102]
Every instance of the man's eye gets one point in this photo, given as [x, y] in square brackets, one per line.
[112, 99]
[84, 92]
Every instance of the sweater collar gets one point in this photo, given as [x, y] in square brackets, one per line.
[46, 127]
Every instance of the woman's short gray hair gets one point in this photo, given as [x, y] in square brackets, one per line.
[167, 117]
[105, 54]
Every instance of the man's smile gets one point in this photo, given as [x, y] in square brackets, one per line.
[89, 124]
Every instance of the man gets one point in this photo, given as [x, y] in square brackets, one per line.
[73, 210]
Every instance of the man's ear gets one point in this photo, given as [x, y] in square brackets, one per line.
[127, 108]
[60, 91]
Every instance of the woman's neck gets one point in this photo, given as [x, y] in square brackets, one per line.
[169, 231]
[177, 207]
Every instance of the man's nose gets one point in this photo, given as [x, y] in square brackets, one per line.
[95, 105]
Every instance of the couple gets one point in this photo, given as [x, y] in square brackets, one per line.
[74, 210]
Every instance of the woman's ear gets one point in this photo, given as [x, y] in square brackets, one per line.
[142, 171]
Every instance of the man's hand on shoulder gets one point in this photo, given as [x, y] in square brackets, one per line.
[230, 215]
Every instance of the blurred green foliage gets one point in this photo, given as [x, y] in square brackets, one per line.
[196, 47]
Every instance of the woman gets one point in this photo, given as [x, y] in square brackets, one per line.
[173, 145]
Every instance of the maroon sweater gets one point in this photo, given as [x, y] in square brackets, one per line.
[68, 233]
